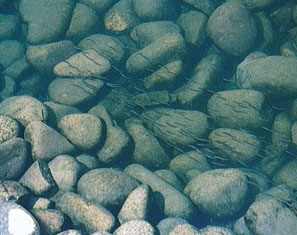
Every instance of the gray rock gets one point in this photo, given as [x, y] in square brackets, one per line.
[216, 230]
[9, 128]
[170, 178]
[193, 160]
[17, 69]
[92, 216]
[167, 224]
[83, 130]
[176, 204]
[12, 190]
[184, 229]
[257, 4]
[98, 5]
[153, 10]
[164, 49]
[176, 126]
[264, 74]
[44, 57]
[73, 91]
[116, 141]
[145, 33]
[121, 17]
[239, 147]
[84, 64]
[287, 175]
[65, 171]
[137, 205]
[101, 233]
[238, 109]
[240, 228]
[8, 87]
[87, 160]
[219, 194]
[232, 28]
[46, 143]
[105, 45]
[205, 6]
[107, 187]
[38, 179]
[24, 109]
[9, 26]
[135, 227]
[147, 152]
[10, 51]
[205, 75]
[165, 78]
[51, 221]
[47, 20]
[84, 22]
[14, 219]
[14, 155]
[267, 215]
[193, 24]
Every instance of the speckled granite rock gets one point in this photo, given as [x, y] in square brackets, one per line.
[135, 227]
[9, 128]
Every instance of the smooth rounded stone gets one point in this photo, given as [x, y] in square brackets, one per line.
[153, 10]
[65, 171]
[17, 69]
[266, 33]
[116, 139]
[215, 230]
[238, 109]
[184, 229]
[73, 91]
[165, 78]
[176, 204]
[87, 160]
[288, 49]
[136, 227]
[107, 187]
[9, 25]
[185, 162]
[84, 64]
[287, 175]
[239, 147]
[268, 215]
[137, 205]
[14, 219]
[47, 20]
[294, 133]
[170, 178]
[46, 142]
[9, 128]
[12, 190]
[121, 17]
[43, 203]
[83, 130]
[84, 22]
[98, 5]
[167, 224]
[205, 6]
[44, 57]
[231, 28]
[281, 132]
[8, 88]
[145, 33]
[274, 75]
[70, 232]
[91, 216]
[219, 194]
[50, 221]
[176, 126]
[193, 24]
[39, 179]
[153, 98]
[259, 4]
[240, 228]
[166, 48]
[105, 45]
[57, 111]
[147, 152]
[205, 75]
[10, 51]
[14, 155]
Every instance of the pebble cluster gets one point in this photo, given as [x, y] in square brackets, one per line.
[168, 117]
